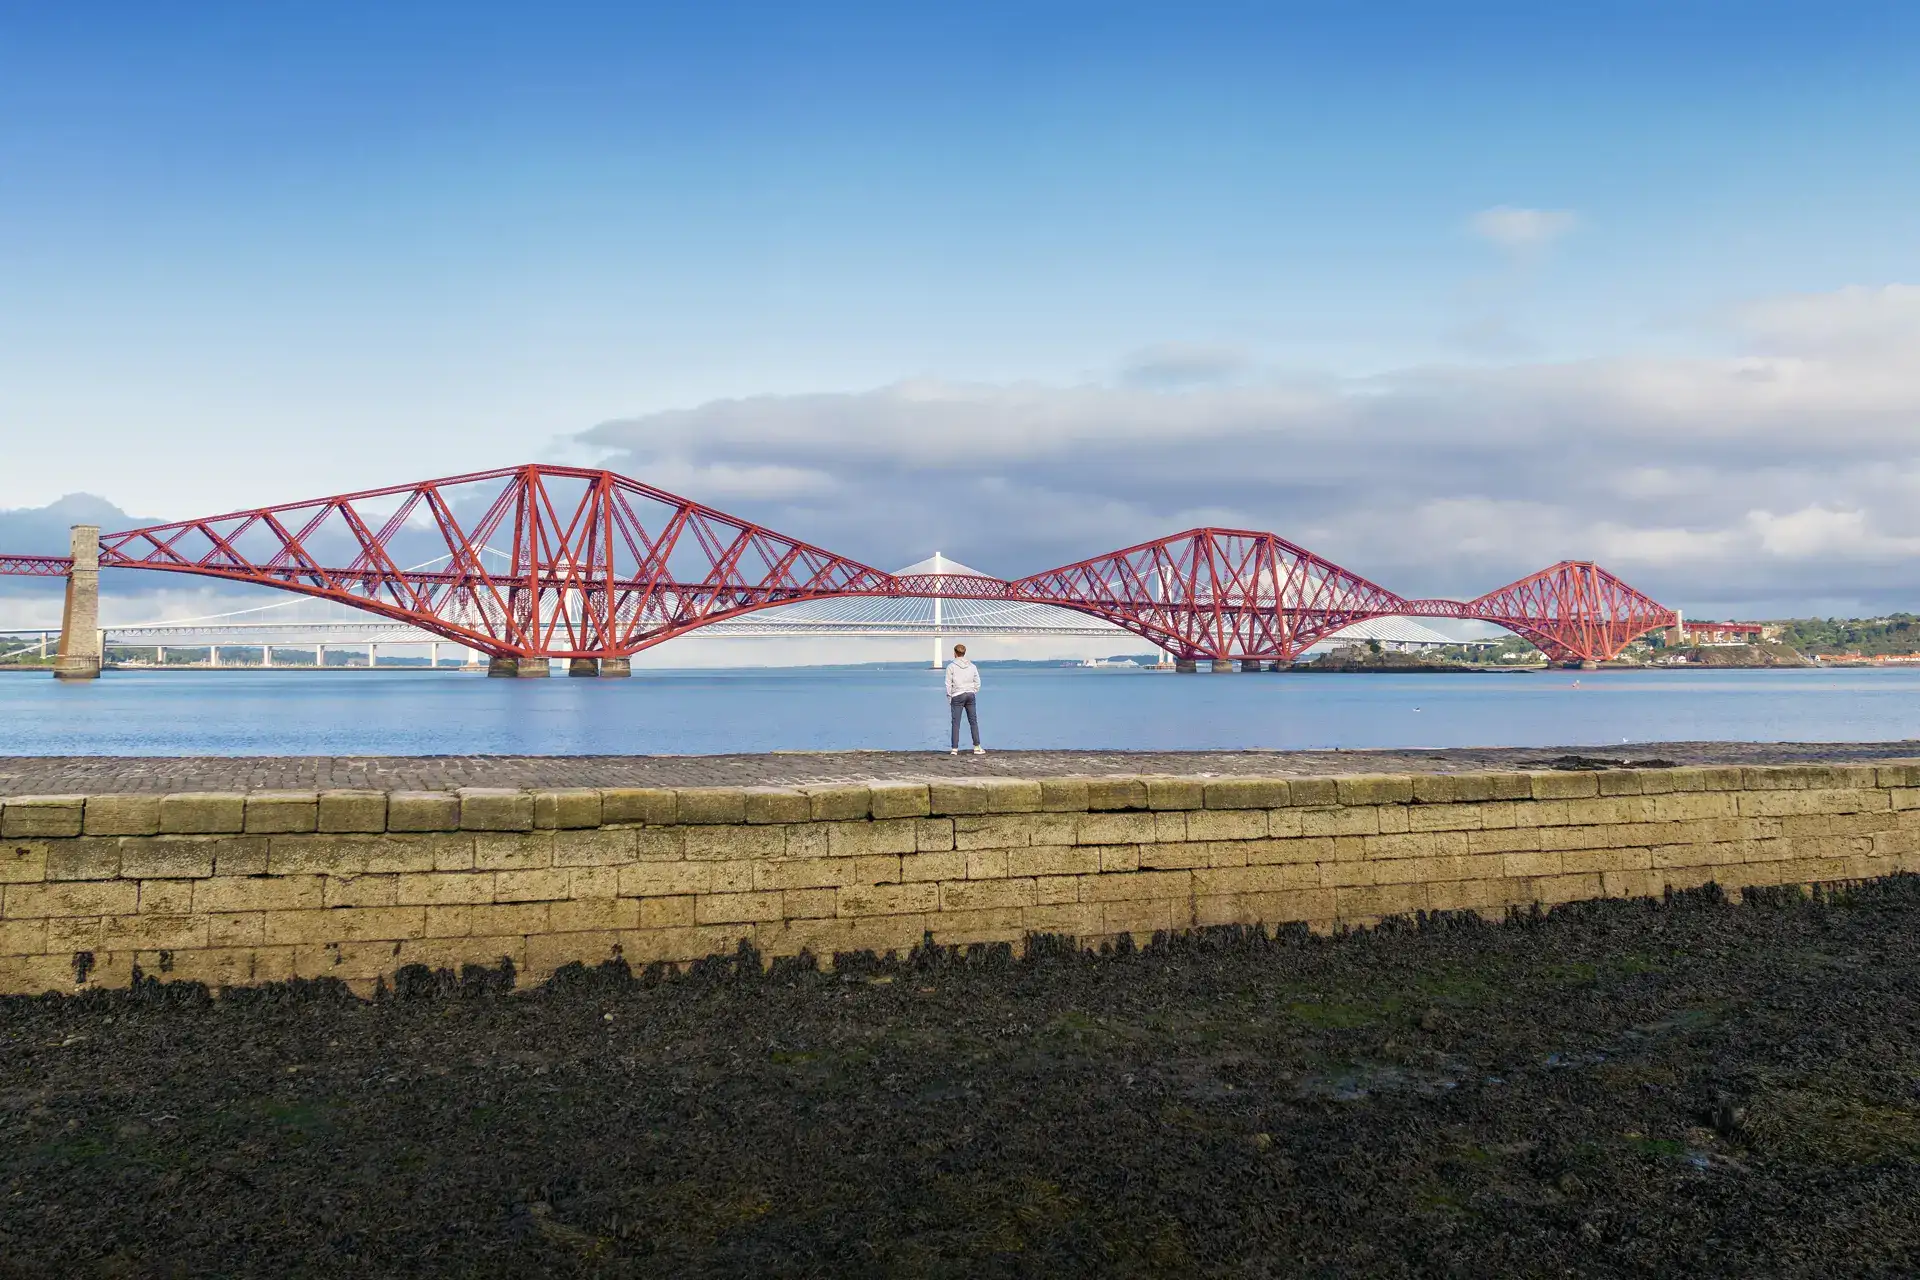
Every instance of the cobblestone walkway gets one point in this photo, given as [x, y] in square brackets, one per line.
[41, 775]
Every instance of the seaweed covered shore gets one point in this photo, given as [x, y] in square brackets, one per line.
[1615, 1088]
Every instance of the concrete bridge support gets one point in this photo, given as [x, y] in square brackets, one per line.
[1252, 665]
[1222, 664]
[1185, 666]
[589, 667]
[80, 649]
[503, 666]
[615, 668]
[534, 669]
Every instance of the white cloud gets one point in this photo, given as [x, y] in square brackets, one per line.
[1522, 230]
[1784, 471]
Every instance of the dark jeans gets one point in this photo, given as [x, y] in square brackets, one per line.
[964, 702]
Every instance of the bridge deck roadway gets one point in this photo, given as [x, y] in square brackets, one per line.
[44, 775]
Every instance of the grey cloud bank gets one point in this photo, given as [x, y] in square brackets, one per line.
[1777, 478]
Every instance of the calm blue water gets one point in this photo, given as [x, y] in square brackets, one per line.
[404, 712]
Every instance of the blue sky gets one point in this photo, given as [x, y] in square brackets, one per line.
[258, 252]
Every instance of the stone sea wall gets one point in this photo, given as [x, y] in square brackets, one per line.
[235, 889]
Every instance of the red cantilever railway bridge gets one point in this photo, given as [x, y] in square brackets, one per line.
[591, 564]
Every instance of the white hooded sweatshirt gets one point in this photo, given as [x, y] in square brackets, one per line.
[962, 677]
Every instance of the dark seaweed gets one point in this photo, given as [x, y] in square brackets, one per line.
[1684, 1087]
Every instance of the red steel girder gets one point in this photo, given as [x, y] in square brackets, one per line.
[1215, 593]
[578, 562]
[35, 566]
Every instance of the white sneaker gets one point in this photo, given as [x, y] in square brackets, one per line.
[979, 751]
[954, 752]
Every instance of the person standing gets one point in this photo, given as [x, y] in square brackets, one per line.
[963, 688]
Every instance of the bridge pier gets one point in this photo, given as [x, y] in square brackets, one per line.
[1222, 664]
[534, 668]
[615, 668]
[1589, 665]
[503, 665]
[80, 649]
[1185, 666]
[588, 667]
[1252, 665]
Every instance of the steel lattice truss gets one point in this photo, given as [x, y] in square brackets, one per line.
[571, 562]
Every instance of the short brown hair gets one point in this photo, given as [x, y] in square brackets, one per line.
[959, 651]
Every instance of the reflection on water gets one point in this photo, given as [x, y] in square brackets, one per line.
[848, 708]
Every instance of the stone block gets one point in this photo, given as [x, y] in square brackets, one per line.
[959, 928]
[887, 899]
[71, 898]
[361, 891]
[579, 914]
[1266, 879]
[1179, 855]
[1263, 908]
[1227, 824]
[593, 882]
[1168, 828]
[1621, 782]
[840, 936]
[154, 933]
[651, 806]
[166, 858]
[1335, 875]
[25, 816]
[1068, 919]
[1444, 817]
[1312, 793]
[531, 886]
[23, 937]
[1056, 890]
[660, 844]
[1109, 794]
[122, 815]
[986, 864]
[1374, 789]
[1063, 795]
[423, 811]
[899, 800]
[1176, 793]
[1117, 857]
[512, 851]
[727, 843]
[944, 798]
[274, 813]
[807, 904]
[992, 831]
[87, 858]
[1012, 795]
[777, 804]
[667, 913]
[936, 866]
[605, 847]
[1563, 785]
[1137, 884]
[738, 908]
[495, 809]
[1249, 793]
[1052, 860]
[1144, 916]
[838, 802]
[347, 810]
[166, 897]
[711, 806]
[259, 893]
[824, 873]
[443, 888]
[649, 879]
[1114, 828]
[1267, 852]
[1379, 900]
[1363, 821]
[345, 924]
[933, 835]
[566, 808]
[865, 839]
[981, 895]
[236, 929]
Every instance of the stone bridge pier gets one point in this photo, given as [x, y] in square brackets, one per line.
[80, 646]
